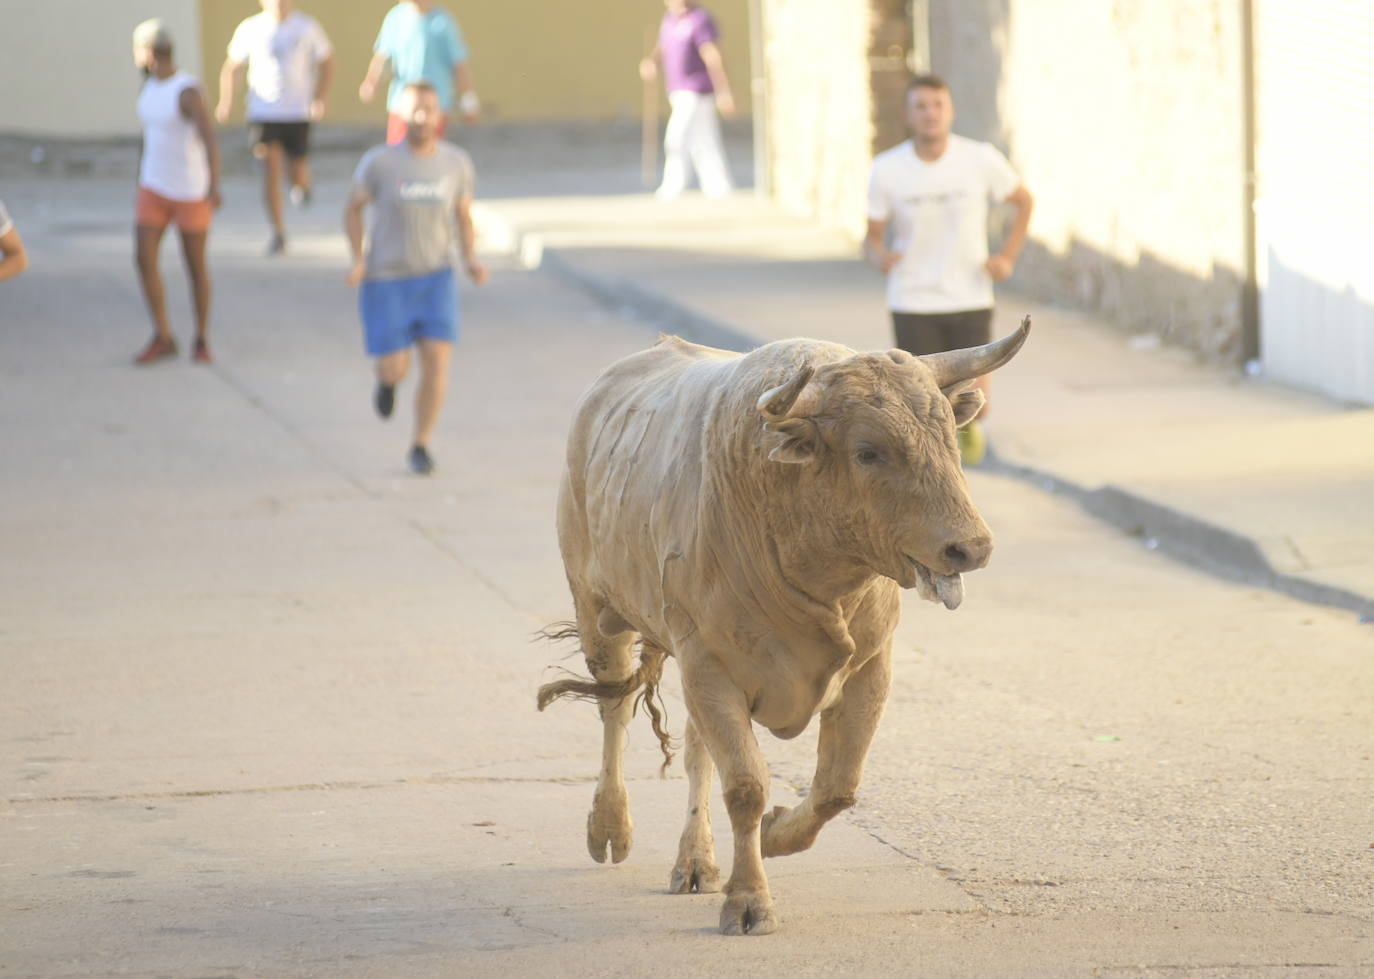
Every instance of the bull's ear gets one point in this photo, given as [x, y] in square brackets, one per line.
[966, 400]
[794, 440]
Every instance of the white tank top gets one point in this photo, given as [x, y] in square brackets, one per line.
[175, 164]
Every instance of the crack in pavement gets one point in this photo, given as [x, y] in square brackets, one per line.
[258, 402]
[448, 551]
[315, 787]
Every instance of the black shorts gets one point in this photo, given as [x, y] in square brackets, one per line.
[933, 333]
[294, 137]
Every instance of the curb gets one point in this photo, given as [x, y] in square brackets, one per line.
[1185, 538]
[1175, 533]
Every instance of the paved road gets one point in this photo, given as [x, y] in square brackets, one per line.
[268, 706]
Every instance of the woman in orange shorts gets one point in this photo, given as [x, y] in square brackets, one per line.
[178, 182]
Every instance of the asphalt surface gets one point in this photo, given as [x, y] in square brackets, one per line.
[269, 699]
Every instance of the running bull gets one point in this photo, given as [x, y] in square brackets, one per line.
[753, 516]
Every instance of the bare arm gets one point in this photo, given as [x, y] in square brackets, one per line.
[1000, 266]
[715, 67]
[648, 65]
[467, 238]
[468, 106]
[229, 76]
[876, 252]
[324, 77]
[13, 258]
[193, 108]
[358, 198]
[375, 69]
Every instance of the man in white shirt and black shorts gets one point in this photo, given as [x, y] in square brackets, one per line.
[928, 203]
[290, 64]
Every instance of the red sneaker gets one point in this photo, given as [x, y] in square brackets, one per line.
[201, 353]
[159, 348]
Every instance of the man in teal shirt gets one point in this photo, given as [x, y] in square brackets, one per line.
[421, 42]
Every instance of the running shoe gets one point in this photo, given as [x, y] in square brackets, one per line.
[421, 464]
[384, 398]
[201, 353]
[159, 348]
[277, 246]
[300, 196]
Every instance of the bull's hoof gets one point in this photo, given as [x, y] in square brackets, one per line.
[780, 834]
[695, 877]
[748, 913]
[608, 827]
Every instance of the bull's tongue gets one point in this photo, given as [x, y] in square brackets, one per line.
[950, 588]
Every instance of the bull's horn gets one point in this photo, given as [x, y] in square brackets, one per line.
[774, 404]
[954, 366]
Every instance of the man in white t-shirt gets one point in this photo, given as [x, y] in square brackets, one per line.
[290, 64]
[928, 204]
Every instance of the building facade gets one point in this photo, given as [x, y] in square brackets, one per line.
[1198, 166]
[543, 60]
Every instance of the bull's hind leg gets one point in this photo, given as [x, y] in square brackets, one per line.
[696, 868]
[846, 732]
[608, 645]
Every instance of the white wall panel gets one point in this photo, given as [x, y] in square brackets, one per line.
[1315, 199]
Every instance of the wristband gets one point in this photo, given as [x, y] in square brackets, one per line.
[469, 103]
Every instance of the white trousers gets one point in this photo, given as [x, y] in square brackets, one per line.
[692, 142]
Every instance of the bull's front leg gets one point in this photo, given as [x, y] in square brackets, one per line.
[721, 714]
[847, 730]
[696, 868]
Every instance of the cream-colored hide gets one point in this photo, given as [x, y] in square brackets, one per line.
[753, 516]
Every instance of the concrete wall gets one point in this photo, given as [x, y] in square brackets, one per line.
[1126, 121]
[66, 66]
[819, 107]
[533, 61]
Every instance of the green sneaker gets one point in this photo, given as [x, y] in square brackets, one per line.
[972, 445]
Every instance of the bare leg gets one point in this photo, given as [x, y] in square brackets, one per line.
[393, 367]
[846, 733]
[147, 241]
[299, 168]
[720, 712]
[193, 249]
[610, 659]
[435, 356]
[272, 174]
[696, 868]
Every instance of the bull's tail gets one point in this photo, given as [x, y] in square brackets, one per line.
[643, 683]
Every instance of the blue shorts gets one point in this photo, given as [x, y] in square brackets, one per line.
[398, 312]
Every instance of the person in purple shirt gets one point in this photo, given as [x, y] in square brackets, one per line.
[694, 75]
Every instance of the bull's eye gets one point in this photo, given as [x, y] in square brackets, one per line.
[868, 456]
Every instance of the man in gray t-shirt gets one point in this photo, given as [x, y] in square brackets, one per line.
[421, 197]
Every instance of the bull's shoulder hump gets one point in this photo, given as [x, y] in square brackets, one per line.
[795, 352]
[674, 345]
[670, 357]
[805, 347]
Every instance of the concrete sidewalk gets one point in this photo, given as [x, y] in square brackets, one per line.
[1257, 482]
